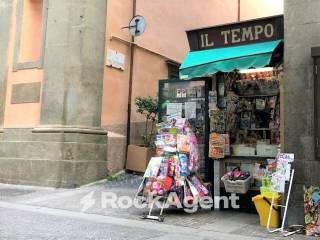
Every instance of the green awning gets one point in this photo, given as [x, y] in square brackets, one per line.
[208, 62]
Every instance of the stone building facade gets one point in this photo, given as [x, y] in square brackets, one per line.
[51, 76]
[300, 97]
[62, 110]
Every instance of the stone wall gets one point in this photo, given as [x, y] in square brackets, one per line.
[117, 143]
[56, 159]
[302, 26]
[74, 63]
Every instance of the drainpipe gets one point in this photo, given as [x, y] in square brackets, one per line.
[239, 8]
[134, 9]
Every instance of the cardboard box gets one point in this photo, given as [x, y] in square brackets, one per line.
[243, 150]
[266, 150]
[138, 158]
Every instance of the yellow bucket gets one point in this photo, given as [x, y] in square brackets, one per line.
[262, 204]
[266, 191]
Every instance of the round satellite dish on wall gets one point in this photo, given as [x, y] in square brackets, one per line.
[137, 26]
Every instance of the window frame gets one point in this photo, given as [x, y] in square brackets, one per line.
[315, 53]
[19, 16]
[173, 69]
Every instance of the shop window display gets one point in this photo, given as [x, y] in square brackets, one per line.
[244, 110]
[187, 99]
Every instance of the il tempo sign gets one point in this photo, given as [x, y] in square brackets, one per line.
[254, 31]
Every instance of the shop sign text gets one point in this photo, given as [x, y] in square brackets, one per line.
[254, 31]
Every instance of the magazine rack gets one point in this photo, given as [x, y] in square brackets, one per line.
[173, 169]
[159, 218]
[164, 199]
[281, 229]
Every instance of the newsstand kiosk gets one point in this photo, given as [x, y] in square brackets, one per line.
[240, 68]
[227, 102]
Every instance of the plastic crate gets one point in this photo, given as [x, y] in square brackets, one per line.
[237, 186]
[243, 150]
[266, 150]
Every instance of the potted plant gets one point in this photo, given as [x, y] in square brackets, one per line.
[139, 155]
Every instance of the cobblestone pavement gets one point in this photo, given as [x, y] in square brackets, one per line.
[236, 224]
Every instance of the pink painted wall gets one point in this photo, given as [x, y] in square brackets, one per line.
[164, 38]
[260, 8]
[144, 80]
[21, 115]
[115, 90]
[31, 31]
[166, 21]
[169, 19]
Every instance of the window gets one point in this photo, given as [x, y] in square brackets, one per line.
[30, 34]
[173, 69]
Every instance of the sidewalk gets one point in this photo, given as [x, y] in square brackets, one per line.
[223, 223]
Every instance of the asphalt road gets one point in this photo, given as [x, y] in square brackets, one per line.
[31, 213]
[26, 222]
[26, 225]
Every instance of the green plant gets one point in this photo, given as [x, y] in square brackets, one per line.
[148, 107]
[111, 177]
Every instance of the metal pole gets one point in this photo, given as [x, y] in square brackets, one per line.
[287, 201]
[139, 189]
[216, 182]
[130, 85]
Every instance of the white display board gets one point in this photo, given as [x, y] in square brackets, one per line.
[115, 59]
[190, 110]
[174, 108]
[282, 173]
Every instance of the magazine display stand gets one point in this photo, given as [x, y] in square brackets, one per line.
[283, 175]
[173, 170]
[281, 229]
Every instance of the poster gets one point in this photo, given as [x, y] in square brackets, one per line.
[282, 173]
[183, 143]
[178, 93]
[285, 157]
[312, 210]
[193, 189]
[190, 110]
[226, 144]
[217, 121]
[153, 167]
[174, 108]
[284, 164]
[278, 183]
[216, 146]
